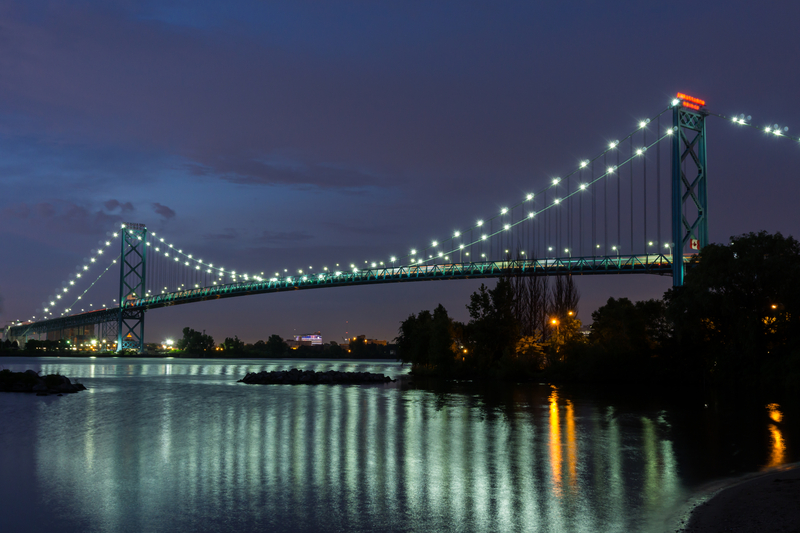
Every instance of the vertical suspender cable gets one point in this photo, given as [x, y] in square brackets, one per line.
[631, 201]
[658, 188]
[605, 207]
[644, 194]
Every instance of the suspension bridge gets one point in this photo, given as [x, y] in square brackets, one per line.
[637, 206]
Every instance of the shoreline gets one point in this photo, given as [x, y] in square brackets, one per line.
[760, 501]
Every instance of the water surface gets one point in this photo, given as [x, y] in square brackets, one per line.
[179, 445]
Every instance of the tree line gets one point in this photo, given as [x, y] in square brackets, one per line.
[734, 324]
[197, 344]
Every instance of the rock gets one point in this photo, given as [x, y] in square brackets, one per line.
[309, 377]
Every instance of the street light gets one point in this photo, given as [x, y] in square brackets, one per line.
[666, 245]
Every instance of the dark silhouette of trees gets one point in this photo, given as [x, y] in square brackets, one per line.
[426, 341]
[194, 342]
[736, 317]
[232, 345]
[275, 346]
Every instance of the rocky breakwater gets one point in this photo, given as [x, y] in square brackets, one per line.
[31, 381]
[299, 377]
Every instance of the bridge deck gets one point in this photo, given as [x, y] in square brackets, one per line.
[593, 265]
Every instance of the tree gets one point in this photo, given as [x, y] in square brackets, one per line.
[275, 346]
[624, 327]
[194, 342]
[493, 329]
[233, 346]
[413, 339]
[736, 317]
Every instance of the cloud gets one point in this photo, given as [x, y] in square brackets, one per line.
[164, 211]
[112, 205]
[63, 216]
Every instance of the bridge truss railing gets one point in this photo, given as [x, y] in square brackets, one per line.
[650, 263]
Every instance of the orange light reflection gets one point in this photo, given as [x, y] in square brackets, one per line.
[555, 443]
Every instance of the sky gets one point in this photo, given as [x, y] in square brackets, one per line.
[272, 135]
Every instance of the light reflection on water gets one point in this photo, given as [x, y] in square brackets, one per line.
[165, 446]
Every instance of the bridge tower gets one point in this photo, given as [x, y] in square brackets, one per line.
[689, 172]
[133, 260]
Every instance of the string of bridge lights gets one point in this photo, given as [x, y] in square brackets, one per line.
[775, 130]
[82, 270]
[188, 260]
[414, 254]
[68, 309]
[439, 248]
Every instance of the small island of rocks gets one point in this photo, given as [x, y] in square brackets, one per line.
[298, 377]
[31, 381]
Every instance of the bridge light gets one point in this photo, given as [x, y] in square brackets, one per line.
[557, 201]
[675, 102]
[393, 259]
[582, 186]
[461, 247]
[507, 227]
[480, 223]
[435, 243]
[116, 235]
[669, 131]
[457, 234]
[613, 144]
[504, 211]
[529, 197]
[413, 252]
[611, 170]
[642, 124]
[373, 265]
[531, 215]
[639, 151]
[584, 163]
[556, 180]
[483, 237]
[190, 256]
[441, 254]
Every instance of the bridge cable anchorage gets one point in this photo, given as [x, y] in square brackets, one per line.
[432, 257]
[83, 269]
[775, 130]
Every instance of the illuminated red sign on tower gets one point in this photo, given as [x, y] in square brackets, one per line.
[691, 102]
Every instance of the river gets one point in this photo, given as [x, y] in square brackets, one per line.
[178, 445]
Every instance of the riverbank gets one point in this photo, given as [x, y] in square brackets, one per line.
[759, 502]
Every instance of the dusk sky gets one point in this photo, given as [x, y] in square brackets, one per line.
[271, 135]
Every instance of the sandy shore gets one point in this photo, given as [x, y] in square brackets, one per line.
[768, 502]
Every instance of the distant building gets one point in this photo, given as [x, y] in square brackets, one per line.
[313, 339]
